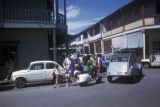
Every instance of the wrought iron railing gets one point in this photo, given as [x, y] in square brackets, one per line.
[30, 15]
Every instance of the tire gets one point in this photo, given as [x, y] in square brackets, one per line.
[20, 83]
[109, 78]
[146, 65]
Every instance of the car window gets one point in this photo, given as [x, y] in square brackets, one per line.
[131, 61]
[50, 65]
[38, 66]
[119, 59]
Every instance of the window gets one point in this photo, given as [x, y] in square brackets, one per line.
[156, 45]
[90, 32]
[136, 14]
[119, 59]
[85, 35]
[97, 29]
[38, 66]
[50, 65]
[107, 46]
[158, 8]
[91, 48]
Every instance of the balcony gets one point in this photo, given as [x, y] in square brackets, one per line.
[30, 15]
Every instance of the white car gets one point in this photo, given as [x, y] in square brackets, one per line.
[123, 65]
[154, 60]
[38, 71]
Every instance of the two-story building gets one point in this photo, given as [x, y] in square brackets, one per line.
[30, 30]
[134, 26]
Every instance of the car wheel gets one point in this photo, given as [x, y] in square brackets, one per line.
[20, 83]
[146, 65]
[109, 78]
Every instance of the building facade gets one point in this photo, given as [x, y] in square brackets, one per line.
[30, 30]
[135, 26]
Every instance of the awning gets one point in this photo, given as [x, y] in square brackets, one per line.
[119, 42]
[134, 40]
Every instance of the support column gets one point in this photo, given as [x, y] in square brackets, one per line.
[102, 46]
[95, 51]
[54, 45]
[144, 44]
[89, 48]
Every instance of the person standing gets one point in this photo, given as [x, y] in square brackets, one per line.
[99, 65]
[9, 66]
[56, 72]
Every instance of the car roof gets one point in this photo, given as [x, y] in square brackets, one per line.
[43, 61]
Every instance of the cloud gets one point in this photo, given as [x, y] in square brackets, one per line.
[72, 11]
[76, 26]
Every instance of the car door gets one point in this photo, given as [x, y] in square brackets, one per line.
[36, 73]
[156, 61]
[49, 71]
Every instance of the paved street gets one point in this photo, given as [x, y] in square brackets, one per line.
[145, 93]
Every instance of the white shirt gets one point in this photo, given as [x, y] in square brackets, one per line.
[57, 71]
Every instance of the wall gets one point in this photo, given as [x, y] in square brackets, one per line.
[33, 44]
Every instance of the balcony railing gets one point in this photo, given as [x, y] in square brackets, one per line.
[30, 15]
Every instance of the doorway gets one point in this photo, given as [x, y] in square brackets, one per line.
[7, 52]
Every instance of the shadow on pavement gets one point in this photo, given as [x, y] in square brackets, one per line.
[125, 80]
[6, 88]
[153, 67]
[39, 84]
[91, 84]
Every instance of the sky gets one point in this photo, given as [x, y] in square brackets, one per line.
[84, 13]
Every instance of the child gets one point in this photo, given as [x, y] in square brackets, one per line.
[56, 72]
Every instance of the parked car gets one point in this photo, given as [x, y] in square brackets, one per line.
[123, 65]
[38, 71]
[154, 60]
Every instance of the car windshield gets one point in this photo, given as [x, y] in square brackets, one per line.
[119, 59]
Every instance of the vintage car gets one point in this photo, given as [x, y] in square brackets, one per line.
[38, 71]
[153, 61]
[123, 65]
